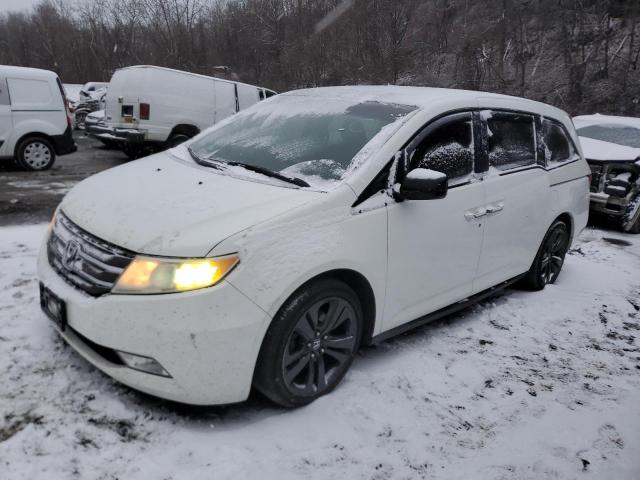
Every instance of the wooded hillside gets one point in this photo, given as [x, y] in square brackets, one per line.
[581, 55]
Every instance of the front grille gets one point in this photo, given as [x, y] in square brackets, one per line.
[84, 261]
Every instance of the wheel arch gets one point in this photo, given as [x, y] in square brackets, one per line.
[185, 129]
[363, 289]
[568, 221]
[33, 135]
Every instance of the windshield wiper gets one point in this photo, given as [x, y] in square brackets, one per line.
[201, 161]
[270, 173]
[214, 163]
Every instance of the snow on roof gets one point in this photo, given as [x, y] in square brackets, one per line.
[6, 70]
[166, 69]
[597, 119]
[421, 97]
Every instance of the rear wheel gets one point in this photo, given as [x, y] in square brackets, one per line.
[550, 258]
[310, 345]
[176, 139]
[35, 154]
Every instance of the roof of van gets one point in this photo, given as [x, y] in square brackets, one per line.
[423, 97]
[188, 73]
[9, 70]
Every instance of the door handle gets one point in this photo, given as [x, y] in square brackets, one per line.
[495, 208]
[475, 213]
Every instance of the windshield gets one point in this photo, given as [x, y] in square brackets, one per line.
[614, 133]
[311, 138]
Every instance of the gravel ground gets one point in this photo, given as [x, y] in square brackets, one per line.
[29, 197]
[541, 385]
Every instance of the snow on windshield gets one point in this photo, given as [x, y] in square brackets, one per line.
[625, 135]
[316, 139]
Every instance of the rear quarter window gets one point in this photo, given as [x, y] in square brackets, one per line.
[558, 148]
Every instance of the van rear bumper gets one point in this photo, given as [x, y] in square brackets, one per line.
[121, 136]
[64, 144]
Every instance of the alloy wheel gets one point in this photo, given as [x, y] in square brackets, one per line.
[553, 252]
[320, 347]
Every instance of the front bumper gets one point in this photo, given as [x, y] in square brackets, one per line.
[607, 204]
[121, 136]
[208, 340]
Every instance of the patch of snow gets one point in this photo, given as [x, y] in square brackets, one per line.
[607, 151]
[486, 115]
[523, 386]
[425, 174]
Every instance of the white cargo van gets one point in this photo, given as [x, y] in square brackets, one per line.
[35, 124]
[158, 107]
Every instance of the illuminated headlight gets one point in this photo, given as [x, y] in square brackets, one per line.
[149, 275]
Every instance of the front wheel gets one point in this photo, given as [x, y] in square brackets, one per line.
[310, 344]
[550, 258]
[35, 154]
[79, 119]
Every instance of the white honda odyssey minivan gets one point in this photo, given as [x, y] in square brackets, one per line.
[267, 249]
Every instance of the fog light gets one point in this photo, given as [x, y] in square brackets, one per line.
[143, 364]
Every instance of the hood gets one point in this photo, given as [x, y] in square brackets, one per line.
[606, 151]
[170, 207]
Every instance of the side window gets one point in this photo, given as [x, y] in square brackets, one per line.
[448, 149]
[557, 147]
[511, 140]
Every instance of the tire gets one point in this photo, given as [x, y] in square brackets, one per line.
[548, 263]
[310, 344]
[35, 154]
[631, 217]
[79, 118]
[133, 152]
[176, 139]
[108, 144]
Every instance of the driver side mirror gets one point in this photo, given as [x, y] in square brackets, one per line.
[423, 184]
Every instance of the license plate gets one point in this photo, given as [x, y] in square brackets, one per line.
[54, 307]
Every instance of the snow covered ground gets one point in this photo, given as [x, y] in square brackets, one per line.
[525, 386]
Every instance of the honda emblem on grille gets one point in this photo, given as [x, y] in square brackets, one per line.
[71, 254]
